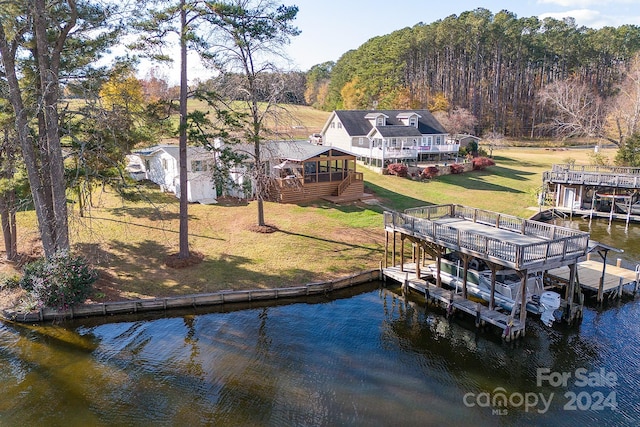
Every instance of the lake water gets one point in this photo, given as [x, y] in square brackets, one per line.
[364, 357]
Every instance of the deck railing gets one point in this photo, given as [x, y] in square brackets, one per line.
[559, 242]
[611, 176]
[595, 169]
[352, 176]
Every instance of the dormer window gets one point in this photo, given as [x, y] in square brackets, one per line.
[380, 121]
[413, 121]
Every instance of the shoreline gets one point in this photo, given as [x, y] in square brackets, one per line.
[187, 301]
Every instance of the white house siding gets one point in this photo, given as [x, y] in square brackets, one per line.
[161, 167]
[336, 135]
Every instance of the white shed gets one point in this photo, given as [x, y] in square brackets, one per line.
[160, 164]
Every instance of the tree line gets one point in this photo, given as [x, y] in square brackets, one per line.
[494, 65]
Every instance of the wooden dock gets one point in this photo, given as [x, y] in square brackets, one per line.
[590, 276]
[511, 328]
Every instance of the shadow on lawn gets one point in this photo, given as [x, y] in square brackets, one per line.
[336, 242]
[140, 269]
[395, 201]
[474, 180]
[151, 213]
[163, 229]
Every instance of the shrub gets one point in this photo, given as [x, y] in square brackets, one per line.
[480, 163]
[430, 172]
[457, 168]
[398, 169]
[60, 281]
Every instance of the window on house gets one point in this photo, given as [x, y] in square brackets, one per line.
[198, 166]
[333, 125]
[165, 164]
[438, 140]
[147, 165]
[339, 125]
[380, 121]
[413, 121]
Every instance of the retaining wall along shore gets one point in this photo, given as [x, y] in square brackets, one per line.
[186, 301]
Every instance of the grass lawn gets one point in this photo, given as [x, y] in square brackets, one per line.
[128, 240]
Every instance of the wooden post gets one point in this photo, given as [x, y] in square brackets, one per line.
[601, 288]
[613, 204]
[465, 268]
[402, 252]
[386, 249]
[523, 296]
[620, 288]
[393, 259]
[438, 260]
[570, 286]
[492, 300]
[417, 248]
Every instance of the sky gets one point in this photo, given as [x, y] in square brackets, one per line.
[329, 28]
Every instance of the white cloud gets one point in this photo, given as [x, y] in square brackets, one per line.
[584, 3]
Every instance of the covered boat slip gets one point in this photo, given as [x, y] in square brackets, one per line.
[512, 328]
[595, 191]
[501, 241]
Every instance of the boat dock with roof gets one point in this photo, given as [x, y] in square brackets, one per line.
[500, 241]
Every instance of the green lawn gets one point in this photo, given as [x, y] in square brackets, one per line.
[129, 239]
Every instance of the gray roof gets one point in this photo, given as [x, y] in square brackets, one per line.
[297, 150]
[172, 149]
[398, 131]
[355, 123]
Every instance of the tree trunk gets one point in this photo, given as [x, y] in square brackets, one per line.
[184, 206]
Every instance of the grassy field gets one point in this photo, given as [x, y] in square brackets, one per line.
[129, 239]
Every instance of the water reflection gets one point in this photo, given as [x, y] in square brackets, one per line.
[372, 356]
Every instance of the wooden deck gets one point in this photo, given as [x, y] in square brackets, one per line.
[590, 273]
[511, 328]
[602, 176]
[502, 239]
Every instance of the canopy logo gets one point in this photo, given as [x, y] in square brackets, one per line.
[598, 398]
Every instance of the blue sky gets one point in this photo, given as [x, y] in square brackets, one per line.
[332, 27]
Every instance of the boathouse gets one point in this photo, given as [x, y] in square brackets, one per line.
[595, 191]
[500, 241]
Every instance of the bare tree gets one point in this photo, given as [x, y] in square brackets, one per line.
[247, 40]
[573, 108]
[457, 121]
[623, 120]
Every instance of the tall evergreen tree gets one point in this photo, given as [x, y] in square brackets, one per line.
[41, 45]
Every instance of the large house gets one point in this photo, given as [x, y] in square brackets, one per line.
[381, 137]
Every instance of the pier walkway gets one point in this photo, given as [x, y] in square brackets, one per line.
[595, 276]
[511, 328]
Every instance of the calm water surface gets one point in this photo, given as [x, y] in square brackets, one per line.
[371, 357]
